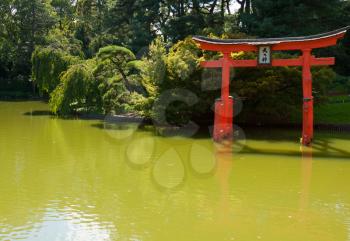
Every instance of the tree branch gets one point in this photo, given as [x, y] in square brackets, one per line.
[213, 7]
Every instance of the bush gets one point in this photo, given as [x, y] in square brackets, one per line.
[182, 81]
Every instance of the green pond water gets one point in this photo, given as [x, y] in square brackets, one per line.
[90, 180]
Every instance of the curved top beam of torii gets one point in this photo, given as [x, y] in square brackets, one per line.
[288, 43]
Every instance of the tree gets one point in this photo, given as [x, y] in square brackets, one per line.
[33, 22]
[134, 22]
[120, 57]
[276, 18]
[64, 11]
[71, 94]
[154, 67]
[25, 23]
[89, 21]
[47, 66]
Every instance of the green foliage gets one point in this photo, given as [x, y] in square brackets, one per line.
[76, 91]
[63, 11]
[117, 100]
[102, 40]
[47, 66]
[154, 67]
[323, 78]
[63, 40]
[9, 79]
[23, 25]
[334, 113]
[182, 74]
[116, 54]
[183, 60]
[274, 18]
[114, 99]
[120, 57]
[121, 86]
[341, 85]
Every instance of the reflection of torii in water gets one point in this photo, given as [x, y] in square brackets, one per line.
[224, 171]
[238, 215]
[306, 173]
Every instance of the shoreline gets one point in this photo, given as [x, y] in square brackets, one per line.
[127, 119]
[130, 118]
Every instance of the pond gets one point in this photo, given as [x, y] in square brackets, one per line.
[69, 179]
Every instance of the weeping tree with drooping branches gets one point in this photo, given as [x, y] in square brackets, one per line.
[77, 91]
[47, 66]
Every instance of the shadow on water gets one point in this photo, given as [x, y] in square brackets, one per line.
[67, 117]
[46, 113]
[106, 126]
[323, 148]
[325, 144]
[38, 113]
[122, 126]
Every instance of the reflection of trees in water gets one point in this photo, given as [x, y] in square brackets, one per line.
[54, 162]
[20, 192]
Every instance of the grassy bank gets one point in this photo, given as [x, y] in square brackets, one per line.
[336, 111]
[333, 113]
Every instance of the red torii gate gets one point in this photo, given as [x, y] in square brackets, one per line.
[224, 106]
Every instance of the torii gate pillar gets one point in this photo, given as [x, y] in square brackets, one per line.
[224, 106]
[308, 99]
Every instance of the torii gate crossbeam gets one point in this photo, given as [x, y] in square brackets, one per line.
[224, 106]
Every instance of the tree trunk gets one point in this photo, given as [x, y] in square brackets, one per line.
[196, 7]
[213, 7]
[228, 3]
[247, 6]
[125, 78]
[223, 11]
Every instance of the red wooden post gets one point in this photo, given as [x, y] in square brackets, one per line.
[308, 113]
[225, 84]
[224, 106]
